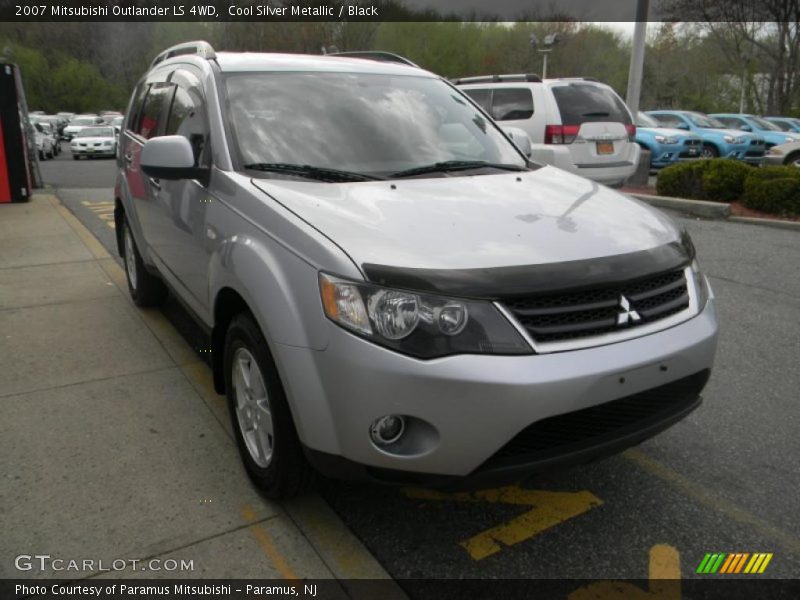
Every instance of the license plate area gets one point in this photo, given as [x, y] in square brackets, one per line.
[605, 147]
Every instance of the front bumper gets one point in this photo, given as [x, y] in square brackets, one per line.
[476, 405]
[774, 160]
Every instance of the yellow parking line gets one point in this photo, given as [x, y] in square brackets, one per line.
[249, 515]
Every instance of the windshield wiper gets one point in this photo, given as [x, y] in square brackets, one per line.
[311, 172]
[457, 165]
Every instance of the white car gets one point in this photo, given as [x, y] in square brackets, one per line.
[579, 125]
[78, 123]
[45, 143]
[94, 141]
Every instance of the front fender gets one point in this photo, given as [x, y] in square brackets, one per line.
[281, 289]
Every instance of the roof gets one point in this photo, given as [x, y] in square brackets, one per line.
[254, 61]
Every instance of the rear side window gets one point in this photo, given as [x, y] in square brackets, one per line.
[511, 104]
[581, 103]
[482, 98]
[730, 122]
[152, 111]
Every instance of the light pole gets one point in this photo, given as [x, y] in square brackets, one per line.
[745, 56]
[550, 40]
[637, 57]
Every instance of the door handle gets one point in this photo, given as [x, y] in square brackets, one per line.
[128, 157]
[155, 183]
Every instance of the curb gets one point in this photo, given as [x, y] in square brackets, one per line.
[697, 208]
[776, 223]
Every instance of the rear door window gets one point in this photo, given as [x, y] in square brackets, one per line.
[482, 98]
[584, 102]
[512, 104]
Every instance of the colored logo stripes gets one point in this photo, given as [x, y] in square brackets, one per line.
[733, 563]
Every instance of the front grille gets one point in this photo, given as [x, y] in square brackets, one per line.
[756, 143]
[691, 142]
[755, 152]
[595, 311]
[596, 425]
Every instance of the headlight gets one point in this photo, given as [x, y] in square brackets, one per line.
[701, 285]
[729, 139]
[660, 139]
[419, 324]
[790, 139]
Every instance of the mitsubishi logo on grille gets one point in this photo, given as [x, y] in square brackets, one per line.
[627, 316]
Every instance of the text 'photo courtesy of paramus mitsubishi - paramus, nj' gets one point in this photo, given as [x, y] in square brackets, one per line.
[392, 290]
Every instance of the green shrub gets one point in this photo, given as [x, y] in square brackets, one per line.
[774, 190]
[681, 180]
[723, 180]
[718, 180]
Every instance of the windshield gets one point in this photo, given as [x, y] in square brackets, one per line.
[764, 124]
[83, 121]
[96, 132]
[366, 123]
[705, 121]
[643, 120]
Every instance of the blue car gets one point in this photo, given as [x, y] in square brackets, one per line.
[718, 142]
[771, 133]
[789, 124]
[666, 146]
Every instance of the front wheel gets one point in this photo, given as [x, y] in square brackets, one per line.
[709, 151]
[793, 160]
[262, 422]
[145, 288]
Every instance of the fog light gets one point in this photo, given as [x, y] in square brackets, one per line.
[387, 430]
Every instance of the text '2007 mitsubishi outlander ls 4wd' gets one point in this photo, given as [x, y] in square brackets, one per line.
[392, 290]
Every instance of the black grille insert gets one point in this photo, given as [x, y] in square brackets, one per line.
[595, 311]
[599, 424]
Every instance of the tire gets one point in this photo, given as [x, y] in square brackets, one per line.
[75, 157]
[709, 151]
[145, 288]
[272, 456]
[41, 154]
[793, 160]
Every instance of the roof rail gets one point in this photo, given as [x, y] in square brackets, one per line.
[377, 55]
[526, 77]
[595, 79]
[198, 48]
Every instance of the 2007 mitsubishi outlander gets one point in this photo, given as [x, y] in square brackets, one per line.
[392, 290]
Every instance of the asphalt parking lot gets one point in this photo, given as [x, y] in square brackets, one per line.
[723, 480]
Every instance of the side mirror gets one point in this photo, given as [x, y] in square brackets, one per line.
[746, 128]
[170, 157]
[520, 139]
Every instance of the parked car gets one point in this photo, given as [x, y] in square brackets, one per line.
[789, 124]
[391, 289]
[718, 142]
[94, 141]
[771, 133]
[45, 143]
[109, 116]
[578, 125]
[79, 122]
[784, 154]
[666, 146]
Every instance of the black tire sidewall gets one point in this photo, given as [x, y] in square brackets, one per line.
[243, 332]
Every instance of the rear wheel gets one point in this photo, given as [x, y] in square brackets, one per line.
[145, 288]
[262, 422]
[75, 157]
[709, 151]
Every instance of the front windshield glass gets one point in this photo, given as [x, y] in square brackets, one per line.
[705, 121]
[643, 120]
[83, 121]
[96, 132]
[367, 123]
[764, 124]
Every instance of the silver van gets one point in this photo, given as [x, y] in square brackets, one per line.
[576, 124]
[392, 291]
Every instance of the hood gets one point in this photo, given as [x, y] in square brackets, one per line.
[468, 222]
[92, 140]
[74, 128]
[666, 131]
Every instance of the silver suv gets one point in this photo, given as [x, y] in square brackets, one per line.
[392, 291]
